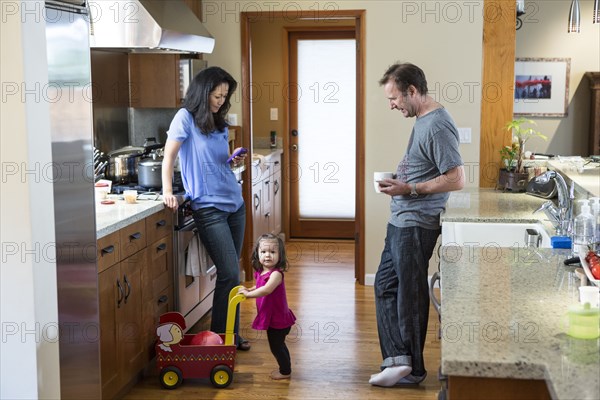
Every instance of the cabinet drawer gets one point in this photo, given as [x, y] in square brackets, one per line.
[163, 302]
[133, 238]
[108, 251]
[160, 263]
[159, 225]
[275, 163]
[151, 312]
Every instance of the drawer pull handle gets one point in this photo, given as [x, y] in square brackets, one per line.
[161, 247]
[107, 250]
[128, 291]
[162, 222]
[135, 236]
[121, 294]
[256, 202]
[163, 299]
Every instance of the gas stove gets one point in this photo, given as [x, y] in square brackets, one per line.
[118, 188]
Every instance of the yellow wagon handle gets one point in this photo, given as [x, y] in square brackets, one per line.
[235, 298]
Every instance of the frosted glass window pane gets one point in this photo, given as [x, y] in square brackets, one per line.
[327, 128]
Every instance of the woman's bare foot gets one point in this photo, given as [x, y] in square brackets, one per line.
[278, 376]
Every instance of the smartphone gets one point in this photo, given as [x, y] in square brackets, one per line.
[236, 153]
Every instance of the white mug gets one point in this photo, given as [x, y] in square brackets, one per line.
[378, 176]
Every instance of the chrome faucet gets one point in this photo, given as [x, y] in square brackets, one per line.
[562, 215]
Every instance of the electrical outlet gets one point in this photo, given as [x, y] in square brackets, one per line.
[465, 135]
[274, 114]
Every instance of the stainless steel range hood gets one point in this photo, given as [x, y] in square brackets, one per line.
[147, 26]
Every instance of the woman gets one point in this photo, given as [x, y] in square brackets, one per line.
[199, 135]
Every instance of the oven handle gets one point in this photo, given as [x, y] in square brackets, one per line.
[212, 272]
[190, 226]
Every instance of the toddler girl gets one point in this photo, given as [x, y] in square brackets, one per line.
[273, 315]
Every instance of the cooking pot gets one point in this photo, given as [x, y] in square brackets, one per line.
[123, 164]
[149, 171]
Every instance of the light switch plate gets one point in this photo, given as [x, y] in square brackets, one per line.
[465, 135]
[274, 114]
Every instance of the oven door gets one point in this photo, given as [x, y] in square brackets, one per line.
[194, 293]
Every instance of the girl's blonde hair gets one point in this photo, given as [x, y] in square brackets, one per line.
[283, 264]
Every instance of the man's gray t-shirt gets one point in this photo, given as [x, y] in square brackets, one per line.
[432, 151]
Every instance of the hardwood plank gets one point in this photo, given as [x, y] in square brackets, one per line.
[334, 345]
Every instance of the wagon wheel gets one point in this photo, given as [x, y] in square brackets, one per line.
[221, 376]
[170, 377]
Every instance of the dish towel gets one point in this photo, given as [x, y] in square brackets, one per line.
[198, 261]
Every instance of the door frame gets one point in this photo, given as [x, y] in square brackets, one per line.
[246, 18]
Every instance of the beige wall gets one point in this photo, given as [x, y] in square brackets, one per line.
[405, 31]
[544, 34]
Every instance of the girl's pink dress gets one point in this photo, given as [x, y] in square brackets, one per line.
[272, 309]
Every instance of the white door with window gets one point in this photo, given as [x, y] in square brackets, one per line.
[322, 104]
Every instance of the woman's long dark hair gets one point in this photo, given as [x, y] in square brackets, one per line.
[197, 99]
[283, 264]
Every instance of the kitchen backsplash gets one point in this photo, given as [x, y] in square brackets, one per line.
[149, 122]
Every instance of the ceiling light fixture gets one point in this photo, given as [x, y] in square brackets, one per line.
[574, 17]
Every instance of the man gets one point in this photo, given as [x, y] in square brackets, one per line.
[431, 167]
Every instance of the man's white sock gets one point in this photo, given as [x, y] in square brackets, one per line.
[390, 376]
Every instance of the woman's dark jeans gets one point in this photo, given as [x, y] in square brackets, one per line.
[222, 233]
[402, 296]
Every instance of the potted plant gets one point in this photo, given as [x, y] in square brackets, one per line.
[513, 175]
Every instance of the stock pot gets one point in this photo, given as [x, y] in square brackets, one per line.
[149, 172]
[123, 164]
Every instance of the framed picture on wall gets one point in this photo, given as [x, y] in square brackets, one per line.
[542, 87]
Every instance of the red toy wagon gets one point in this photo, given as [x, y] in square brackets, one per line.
[177, 358]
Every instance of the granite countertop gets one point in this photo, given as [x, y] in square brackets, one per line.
[112, 217]
[503, 313]
[489, 205]
[503, 316]
[266, 151]
[588, 179]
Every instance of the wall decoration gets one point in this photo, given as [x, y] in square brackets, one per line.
[542, 86]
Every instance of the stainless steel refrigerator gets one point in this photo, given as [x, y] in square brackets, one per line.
[69, 96]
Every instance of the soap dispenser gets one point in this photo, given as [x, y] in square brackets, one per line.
[584, 228]
[596, 213]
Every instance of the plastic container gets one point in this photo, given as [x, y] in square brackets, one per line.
[583, 322]
[273, 139]
[101, 190]
[596, 213]
[584, 228]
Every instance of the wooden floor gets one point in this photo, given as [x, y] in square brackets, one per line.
[334, 344]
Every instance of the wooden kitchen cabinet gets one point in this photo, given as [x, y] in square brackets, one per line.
[157, 277]
[120, 306]
[154, 81]
[135, 278]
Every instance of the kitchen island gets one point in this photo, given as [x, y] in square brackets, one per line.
[504, 312]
